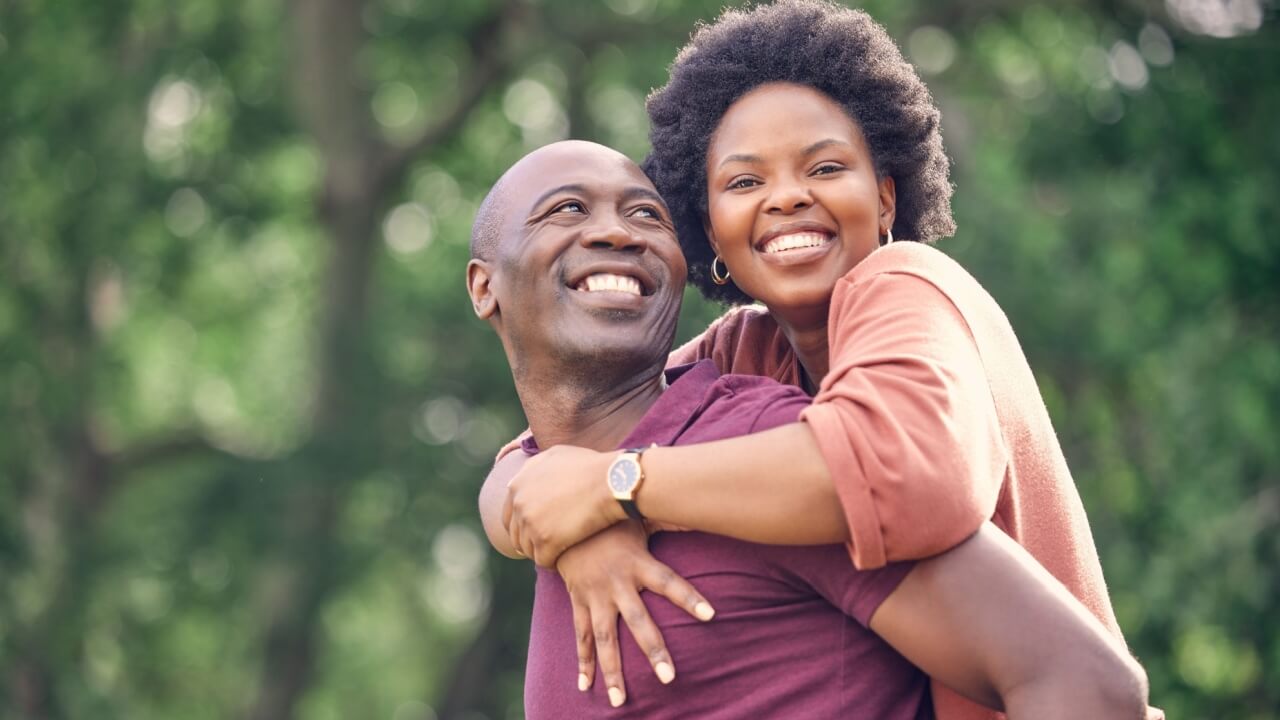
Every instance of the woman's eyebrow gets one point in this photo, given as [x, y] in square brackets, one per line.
[741, 157]
[823, 144]
[809, 150]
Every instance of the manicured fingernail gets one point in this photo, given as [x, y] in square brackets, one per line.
[665, 672]
[583, 682]
[615, 697]
[704, 611]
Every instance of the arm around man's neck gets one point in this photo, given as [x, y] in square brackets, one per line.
[493, 494]
[768, 487]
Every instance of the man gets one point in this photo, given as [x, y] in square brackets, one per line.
[576, 267]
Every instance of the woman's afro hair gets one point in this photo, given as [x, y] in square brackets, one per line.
[839, 51]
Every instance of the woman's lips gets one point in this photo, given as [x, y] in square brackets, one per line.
[797, 248]
[795, 241]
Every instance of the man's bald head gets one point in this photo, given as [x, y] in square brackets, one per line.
[575, 264]
[486, 231]
[494, 211]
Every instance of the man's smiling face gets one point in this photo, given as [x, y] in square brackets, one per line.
[587, 269]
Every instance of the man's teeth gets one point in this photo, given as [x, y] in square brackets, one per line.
[607, 282]
[794, 241]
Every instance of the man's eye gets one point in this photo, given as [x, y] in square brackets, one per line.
[573, 206]
[647, 212]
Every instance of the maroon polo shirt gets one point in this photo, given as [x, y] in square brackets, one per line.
[790, 636]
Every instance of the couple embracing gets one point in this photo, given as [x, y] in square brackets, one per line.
[847, 503]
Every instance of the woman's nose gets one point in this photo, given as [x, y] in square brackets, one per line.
[789, 196]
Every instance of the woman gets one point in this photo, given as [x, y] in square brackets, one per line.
[793, 144]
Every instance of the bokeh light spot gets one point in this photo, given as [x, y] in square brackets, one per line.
[1127, 66]
[408, 228]
[1155, 45]
[931, 49]
[395, 105]
[185, 213]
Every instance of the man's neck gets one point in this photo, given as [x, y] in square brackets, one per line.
[589, 412]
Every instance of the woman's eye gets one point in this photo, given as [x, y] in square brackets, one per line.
[745, 182]
[572, 206]
[827, 169]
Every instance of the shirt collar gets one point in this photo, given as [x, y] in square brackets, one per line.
[667, 418]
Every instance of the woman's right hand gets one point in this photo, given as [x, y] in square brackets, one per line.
[604, 575]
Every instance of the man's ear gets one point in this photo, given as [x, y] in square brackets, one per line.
[888, 203]
[483, 301]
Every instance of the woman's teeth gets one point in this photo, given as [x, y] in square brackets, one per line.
[794, 241]
[607, 282]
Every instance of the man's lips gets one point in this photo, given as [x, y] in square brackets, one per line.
[613, 277]
[792, 236]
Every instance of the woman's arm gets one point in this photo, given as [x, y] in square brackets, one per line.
[988, 621]
[906, 420]
[492, 495]
[901, 453]
[770, 487]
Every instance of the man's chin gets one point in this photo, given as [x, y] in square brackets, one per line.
[617, 352]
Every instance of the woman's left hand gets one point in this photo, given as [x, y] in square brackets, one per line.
[558, 499]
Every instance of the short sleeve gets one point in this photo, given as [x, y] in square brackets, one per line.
[857, 593]
[905, 420]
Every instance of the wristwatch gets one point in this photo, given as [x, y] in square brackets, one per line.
[624, 478]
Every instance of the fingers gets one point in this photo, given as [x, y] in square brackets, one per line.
[585, 636]
[525, 543]
[661, 579]
[647, 635]
[604, 627]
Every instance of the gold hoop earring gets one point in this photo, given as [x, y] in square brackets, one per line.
[716, 277]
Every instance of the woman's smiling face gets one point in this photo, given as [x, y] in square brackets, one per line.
[793, 201]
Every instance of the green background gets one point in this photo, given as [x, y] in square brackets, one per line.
[245, 408]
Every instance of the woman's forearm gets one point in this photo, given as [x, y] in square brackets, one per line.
[769, 487]
[492, 496]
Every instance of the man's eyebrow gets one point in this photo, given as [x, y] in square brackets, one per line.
[639, 191]
[570, 187]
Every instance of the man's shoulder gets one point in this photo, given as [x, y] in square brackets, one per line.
[742, 404]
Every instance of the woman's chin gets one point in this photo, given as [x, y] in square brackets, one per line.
[798, 298]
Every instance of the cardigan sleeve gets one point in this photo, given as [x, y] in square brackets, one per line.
[737, 342]
[905, 420]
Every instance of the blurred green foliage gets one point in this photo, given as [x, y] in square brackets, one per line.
[246, 408]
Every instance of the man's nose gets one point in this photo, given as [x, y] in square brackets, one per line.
[611, 233]
[789, 195]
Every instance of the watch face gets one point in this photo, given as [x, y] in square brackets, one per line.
[624, 475]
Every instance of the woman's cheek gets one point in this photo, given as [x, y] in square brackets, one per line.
[731, 221]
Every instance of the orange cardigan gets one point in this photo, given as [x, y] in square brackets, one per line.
[930, 421]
